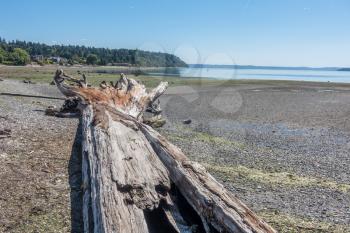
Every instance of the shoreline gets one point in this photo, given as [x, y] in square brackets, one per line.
[110, 71]
[44, 74]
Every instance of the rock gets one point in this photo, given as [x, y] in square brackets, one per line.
[51, 110]
[36, 210]
[4, 117]
[155, 121]
[159, 123]
[1, 79]
[28, 81]
[188, 121]
[5, 133]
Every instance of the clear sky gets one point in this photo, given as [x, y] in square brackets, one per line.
[257, 32]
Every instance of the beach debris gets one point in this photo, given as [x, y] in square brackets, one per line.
[187, 121]
[69, 109]
[103, 84]
[51, 110]
[154, 108]
[28, 81]
[130, 171]
[5, 133]
[4, 117]
[156, 121]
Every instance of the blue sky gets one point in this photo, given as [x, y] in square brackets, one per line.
[257, 32]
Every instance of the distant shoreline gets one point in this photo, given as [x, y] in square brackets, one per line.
[147, 75]
[252, 67]
[199, 66]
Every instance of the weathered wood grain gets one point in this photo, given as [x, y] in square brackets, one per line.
[136, 181]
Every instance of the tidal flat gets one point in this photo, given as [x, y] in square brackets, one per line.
[280, 146]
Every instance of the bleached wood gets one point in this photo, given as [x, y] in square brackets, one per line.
[125, 176]
[210, 199]
[128, 168]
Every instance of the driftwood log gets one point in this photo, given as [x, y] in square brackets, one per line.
[136, 181]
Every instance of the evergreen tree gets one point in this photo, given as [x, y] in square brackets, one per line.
[85, 55]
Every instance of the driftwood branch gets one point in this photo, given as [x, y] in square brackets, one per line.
[134, 180]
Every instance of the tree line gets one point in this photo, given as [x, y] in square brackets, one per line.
[22, 52]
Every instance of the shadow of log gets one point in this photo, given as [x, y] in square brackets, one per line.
[76, 194]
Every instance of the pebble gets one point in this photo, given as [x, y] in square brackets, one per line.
[188, 121]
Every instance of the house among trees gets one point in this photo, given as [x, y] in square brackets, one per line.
[57, 59]
[37, 58]
[54, 59]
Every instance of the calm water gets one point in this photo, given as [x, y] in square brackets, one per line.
[264, 74]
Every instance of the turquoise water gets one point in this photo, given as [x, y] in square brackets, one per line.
[263, 74]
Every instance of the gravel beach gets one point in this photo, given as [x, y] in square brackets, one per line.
[282, 148]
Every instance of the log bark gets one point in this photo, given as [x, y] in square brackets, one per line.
[135, 180]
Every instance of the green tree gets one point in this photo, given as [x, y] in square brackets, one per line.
[91, 59]
[19, 57]
[2, 55]
[82, 54]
